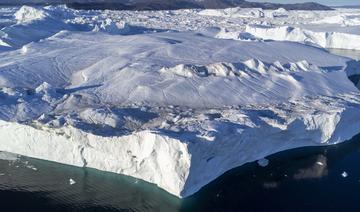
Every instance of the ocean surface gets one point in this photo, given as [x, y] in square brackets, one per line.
[304, 179]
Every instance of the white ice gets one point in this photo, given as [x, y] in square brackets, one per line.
[175, 98]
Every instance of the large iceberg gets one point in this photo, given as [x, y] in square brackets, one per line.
[174, 108]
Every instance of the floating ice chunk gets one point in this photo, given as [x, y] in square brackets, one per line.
[31, 167]
[320, 163]
[8, 156]
[344, 174]
[263, 162]
[3, 43]
[71, 181]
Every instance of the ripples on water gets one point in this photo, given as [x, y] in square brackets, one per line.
[30, 183]
[305, 179]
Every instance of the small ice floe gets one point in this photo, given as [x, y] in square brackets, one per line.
[2, 174]
[31, 167]
[72, 182]
[263, 162]
[344, 174]
[9, 156]
[320, 163]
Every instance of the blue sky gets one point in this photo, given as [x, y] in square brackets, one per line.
[326, 2]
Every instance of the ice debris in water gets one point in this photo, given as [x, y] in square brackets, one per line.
[31, 167]
[320, 163]
[72, 182]
[8, 156]
[344, 174]
[263, 162]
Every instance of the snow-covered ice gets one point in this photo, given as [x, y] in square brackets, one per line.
[175, 98]
[29, 14]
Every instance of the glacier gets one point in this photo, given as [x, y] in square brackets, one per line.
[175, 98]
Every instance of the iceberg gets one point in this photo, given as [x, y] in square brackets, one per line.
[335, 40]
[174, 108]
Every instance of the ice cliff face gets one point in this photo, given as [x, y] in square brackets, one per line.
[173, 107]
[336, 40]
[180, 149]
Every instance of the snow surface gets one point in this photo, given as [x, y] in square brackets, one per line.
[170, 97]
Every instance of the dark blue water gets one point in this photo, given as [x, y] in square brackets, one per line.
[305, 179]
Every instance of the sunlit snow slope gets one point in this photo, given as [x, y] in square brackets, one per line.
[169, 96]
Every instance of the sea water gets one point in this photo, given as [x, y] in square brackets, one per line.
[304, 179]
